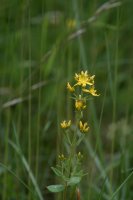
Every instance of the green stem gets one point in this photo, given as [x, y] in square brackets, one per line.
[74, 142]
[73, 193]
[65, 192]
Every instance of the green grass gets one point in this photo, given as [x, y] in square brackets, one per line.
[37, 58]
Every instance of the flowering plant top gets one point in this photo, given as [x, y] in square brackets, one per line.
[69, 167]
[85, 81]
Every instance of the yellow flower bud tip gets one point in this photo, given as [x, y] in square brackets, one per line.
[61, 157]
[83, 79]
[64, 124]
[83, 127]
[70, 88]
[80, 97]
[80, 156]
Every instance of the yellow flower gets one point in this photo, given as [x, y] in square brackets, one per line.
[83, 127]
[92, 91]
[64, 124]
[70, 88]
[84, 79]
[80, 103]
[71, 23]
[62, 157]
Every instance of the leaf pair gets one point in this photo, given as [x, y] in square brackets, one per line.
[59, 188]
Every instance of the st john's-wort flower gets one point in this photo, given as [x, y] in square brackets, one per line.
[64, 124]
[84, 128]
[92, 91]
[84, 79]
[80, 103]
[71, 23]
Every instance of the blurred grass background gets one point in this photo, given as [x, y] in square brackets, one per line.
[42, 45]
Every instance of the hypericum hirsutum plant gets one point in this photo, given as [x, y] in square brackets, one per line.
[69, 167]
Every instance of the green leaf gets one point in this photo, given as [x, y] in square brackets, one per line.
[79, 174]
[57, 172]
[74, 180]
[56, 188]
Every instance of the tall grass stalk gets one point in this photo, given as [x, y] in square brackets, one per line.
[27, 167]
[115, 89]
[6, 155]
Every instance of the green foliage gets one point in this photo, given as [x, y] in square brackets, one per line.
[59, 188]
[37, 57]
[56, 188]
[74, 181]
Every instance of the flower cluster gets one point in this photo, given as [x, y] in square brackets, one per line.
[86, 82]
[85, 85]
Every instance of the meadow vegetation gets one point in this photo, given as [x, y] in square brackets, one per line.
[42, 45]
